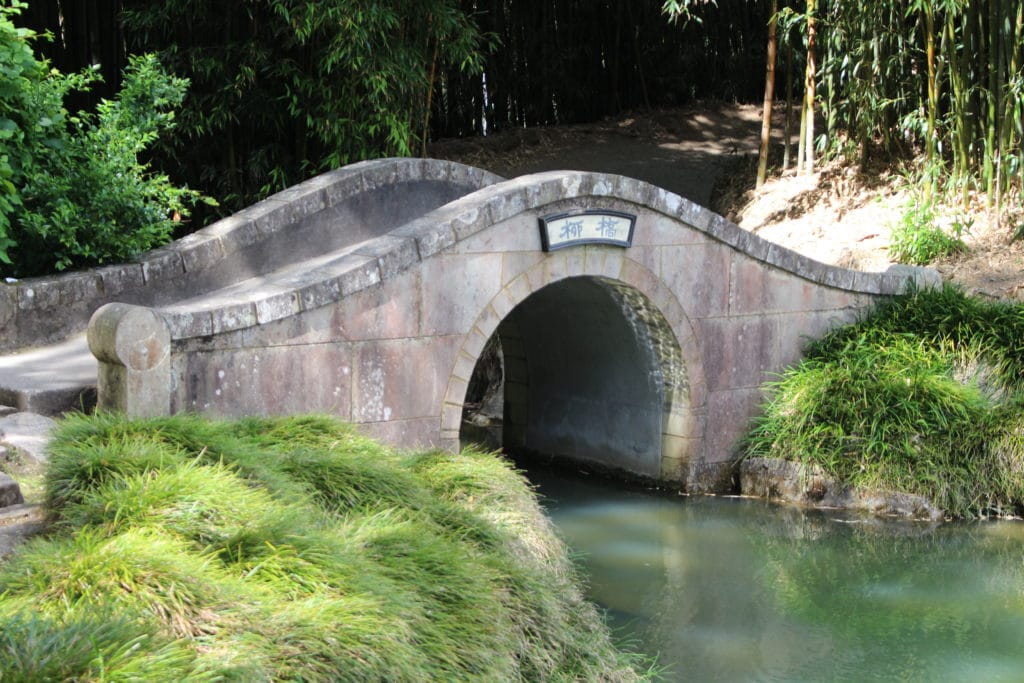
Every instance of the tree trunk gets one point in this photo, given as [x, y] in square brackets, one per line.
[769, 95]
[809, 89]
[788, 134]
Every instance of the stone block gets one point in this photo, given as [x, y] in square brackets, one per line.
[474, 342]
[389, 311]
[603, 185]
[160, 266]
[540, 193]
[711, 477]
[514, 264]
[724, 230]
[340, 186]
[317, 291]
[38, 294]
[28, 434]
[673, 469]
[121, 278]
[10, 492]
[757, 288]
[304, 200]
[507, 201]
[278, 380]
[401, 379]
[728, 420]
[228, 316]
[187, 324]
[640, 277]
[235, 232]
[791, 261]
[431, 237]
[738, 352]
[451, 416]
[649, 257]
[418, 434]
[79, 287]
[8, 303]
[464, 366]
[753, 246]
[133, 346]
[455, 290]
[393, 254]
[357, 273]
[869, 283]
[272, 306]
[520, 233]
[386, 172]
[694, 214]
[699, 276]
[526, 284]
[604, 261]
[471, 218]
[199, 252]
[272, 216]
[840, 278]
[667, 202]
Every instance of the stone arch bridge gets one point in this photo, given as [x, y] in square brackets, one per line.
[373, 292]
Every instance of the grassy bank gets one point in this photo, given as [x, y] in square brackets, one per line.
[924, 395]
[289, 549]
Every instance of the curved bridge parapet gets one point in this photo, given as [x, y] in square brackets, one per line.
[646, 357]
[346, 206]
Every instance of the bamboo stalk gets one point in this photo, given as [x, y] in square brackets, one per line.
[769, 95]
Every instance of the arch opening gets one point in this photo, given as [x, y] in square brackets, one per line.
[585, 369]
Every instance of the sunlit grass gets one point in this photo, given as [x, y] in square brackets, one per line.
[925, 395]
[290, 549]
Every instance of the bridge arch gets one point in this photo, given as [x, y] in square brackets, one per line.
[386, 330]
[600, 365]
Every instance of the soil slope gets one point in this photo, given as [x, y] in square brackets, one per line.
[707, 153]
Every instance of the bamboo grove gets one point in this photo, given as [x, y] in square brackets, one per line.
[943, 79]
[281, 89]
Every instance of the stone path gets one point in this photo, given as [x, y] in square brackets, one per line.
[23, 441]
[49, 380]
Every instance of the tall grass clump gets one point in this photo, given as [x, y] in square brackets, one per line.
[924, 395]
[289, 549]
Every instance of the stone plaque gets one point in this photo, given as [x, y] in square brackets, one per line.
[587, 227]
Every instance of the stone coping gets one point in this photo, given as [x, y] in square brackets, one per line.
[76, 294]
[376, 260]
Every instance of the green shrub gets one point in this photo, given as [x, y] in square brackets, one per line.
[73, 191]
[922, 396]
[918, 241]
[291, 549]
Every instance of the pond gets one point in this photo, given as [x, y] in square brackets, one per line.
[730, 589]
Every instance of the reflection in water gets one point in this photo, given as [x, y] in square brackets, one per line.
[743, 590]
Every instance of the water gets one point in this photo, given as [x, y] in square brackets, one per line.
[726, 589]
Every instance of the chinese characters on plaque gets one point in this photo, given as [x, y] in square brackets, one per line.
[587, 227]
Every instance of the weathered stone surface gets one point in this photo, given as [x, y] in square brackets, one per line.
[27, 433]
[10, 492]
[121, 278]
[445, 306]
[795, 482]
[19, 522]
[133, 346]
[371, 291]
[266, 381]
[8, 303]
